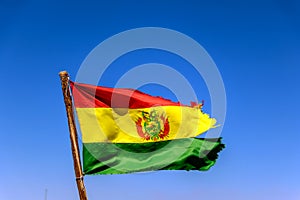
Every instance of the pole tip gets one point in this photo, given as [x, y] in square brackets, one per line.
[63, 73]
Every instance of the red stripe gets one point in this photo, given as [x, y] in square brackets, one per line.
[89, 96]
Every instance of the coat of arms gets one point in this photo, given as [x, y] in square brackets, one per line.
[153, 126]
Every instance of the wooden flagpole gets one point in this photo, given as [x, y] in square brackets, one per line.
[64, 77]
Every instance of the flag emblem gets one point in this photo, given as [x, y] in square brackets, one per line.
[153, 126]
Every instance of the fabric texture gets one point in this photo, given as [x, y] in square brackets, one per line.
[179, 154]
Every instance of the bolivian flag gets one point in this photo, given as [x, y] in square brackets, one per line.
[125, 131]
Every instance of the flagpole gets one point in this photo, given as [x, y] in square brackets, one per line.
[64, 77]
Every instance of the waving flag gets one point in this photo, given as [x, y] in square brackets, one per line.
[125, 131]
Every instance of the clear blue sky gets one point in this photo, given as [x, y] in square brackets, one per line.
[255, 45]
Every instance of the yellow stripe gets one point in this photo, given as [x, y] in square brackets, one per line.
[118, 125]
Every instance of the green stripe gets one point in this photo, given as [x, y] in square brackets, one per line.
[179, 154]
